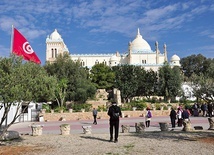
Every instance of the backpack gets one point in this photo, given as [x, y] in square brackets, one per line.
[115, 113]
[149, 115]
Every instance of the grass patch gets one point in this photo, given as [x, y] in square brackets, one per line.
[129, 146]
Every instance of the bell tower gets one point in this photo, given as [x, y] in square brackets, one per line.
[54, 46]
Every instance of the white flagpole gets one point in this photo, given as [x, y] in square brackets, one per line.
[11, 43]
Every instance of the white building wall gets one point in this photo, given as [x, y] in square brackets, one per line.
[24, 117]
[90, 60]
[148, 56]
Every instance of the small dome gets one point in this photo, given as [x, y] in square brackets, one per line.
[139, 44]
[114, 58]
[55, 35]
[175, 58]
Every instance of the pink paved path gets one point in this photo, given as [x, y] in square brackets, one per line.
[52, 127]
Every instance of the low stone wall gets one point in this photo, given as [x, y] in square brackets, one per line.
[101, 115]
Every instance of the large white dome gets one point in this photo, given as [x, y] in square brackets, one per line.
[55, 35]
[139, 44]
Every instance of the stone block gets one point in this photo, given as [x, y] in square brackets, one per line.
[198, 127]
[125, 128]
[65, 129]
[86, 129]
[164, 126]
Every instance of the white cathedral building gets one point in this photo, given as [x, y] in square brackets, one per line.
[139, 54]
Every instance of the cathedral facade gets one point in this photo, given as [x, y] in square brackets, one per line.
[139, 54]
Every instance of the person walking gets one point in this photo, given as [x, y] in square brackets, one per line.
[114, 112]
[204, 109]
[179, 116]
[195, 110]
[148, 117]
[95, 116]
[173, 117]
[210, 109]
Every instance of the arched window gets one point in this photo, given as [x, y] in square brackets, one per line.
[96, 62]
[143, 61]
[52, 53]
[82, 63]
[55, 53]
[104, 62]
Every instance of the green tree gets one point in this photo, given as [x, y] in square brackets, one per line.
[102, 76]
[126, 80]
[169, 83]
[203, 87]
[71, 79]
[147, 83]
[22, 82]
[196, 64]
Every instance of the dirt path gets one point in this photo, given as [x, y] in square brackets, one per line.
[161, 143]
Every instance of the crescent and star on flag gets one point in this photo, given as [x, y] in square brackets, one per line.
[21, 47]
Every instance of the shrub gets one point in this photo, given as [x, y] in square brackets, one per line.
[58, 109]
[47, 107]
[102, 108]
[78, 106]
[126, 107]
[139, 104]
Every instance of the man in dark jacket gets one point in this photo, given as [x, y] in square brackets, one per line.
[114, 112]
[210, 109]
[185, 114]
[173, 117]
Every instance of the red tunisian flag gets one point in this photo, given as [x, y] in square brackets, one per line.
[21, 47]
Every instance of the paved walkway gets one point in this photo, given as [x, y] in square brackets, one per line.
[103, 125]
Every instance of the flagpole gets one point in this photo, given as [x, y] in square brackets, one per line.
[11, 42]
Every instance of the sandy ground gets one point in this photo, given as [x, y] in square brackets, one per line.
[156, 142]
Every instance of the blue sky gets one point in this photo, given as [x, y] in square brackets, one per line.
[106, 26]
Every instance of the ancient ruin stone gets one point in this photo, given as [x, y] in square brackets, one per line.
[10, 135]
[164, 126]
[211, 122]
[140, 127]
[101, 94]
[65, 129]
[187, 126]
[125, 128]
[86, 129]
[36, 130]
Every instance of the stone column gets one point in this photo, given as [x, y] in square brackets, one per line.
[36, 130]
[211, 121]
[187, 126]
[140, 127]
[86, 129]
[164, 126]
[65, 129]
[125, 128]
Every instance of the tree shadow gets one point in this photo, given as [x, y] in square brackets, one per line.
[94, 138]
[86, 123]
[173, 135]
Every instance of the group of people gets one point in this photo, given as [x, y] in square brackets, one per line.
[180, 115]
[206, 109]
